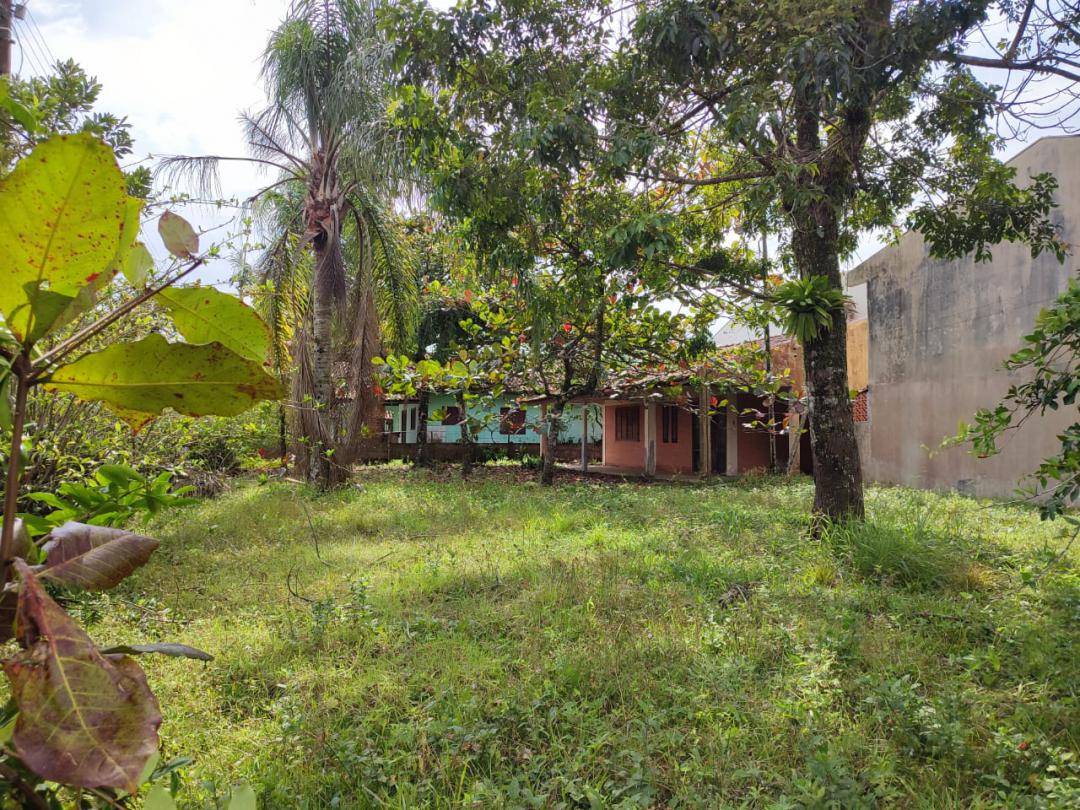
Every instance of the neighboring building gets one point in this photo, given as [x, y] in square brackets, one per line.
[657, 422]
[506, 423]
[939, 332]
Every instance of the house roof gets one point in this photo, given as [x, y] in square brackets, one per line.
[658, 383]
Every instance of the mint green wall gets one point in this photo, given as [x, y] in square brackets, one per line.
[570, 433]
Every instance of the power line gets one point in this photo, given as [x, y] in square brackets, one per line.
[31, 37]
[27, 55]
[29, 51]
[41, 36]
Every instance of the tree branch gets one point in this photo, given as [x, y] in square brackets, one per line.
[707, 181]
[1033, 65]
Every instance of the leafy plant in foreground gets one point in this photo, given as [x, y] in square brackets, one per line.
[114, 495]
[86, 717]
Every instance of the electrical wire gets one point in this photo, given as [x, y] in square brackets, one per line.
[26, 55]
[40, 36]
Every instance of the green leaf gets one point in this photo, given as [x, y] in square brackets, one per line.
[94, 558]
[48, 308]
[205, 315]
[137, 264]
[179, 237]
[21, 539]
[8, 729]
[243, 798]
[159, 798]
[139, 380]
[84, 720]
[61, 218]
[118, 474]
[170, 649]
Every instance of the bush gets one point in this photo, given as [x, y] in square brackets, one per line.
[531, 462]
[69, 440]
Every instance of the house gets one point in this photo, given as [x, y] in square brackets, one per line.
[508, 423]
[938, 333]
[674, 423]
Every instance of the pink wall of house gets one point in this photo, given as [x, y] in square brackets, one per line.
[675, 457]
[753, 443]
[623, 453]
[671, 457]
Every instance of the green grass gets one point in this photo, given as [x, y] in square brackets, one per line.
[498, 645]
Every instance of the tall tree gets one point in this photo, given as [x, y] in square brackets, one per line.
[340, 168]
[834, 117]
[31, 110]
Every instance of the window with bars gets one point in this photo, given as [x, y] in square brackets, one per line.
[628, 423]
[669, 424]
[511, 421]
[452, 415]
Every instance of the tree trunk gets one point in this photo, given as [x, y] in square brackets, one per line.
[283, 434]
[838, 493]
[554, 422]
[467, 445]
[322, 385]
[423, 452]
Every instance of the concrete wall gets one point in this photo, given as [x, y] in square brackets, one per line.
[939, 331]
[623, 453]
[675, 457]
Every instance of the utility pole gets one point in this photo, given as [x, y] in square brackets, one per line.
[6, 36]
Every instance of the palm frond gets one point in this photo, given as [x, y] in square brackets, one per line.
[391, 273]
[284, 273]
[200, 173]
[271, 137]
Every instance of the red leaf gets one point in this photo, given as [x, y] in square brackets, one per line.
[94, 558]
[179, 237]
[84, 719]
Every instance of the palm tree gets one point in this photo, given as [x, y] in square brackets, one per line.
[339, 167]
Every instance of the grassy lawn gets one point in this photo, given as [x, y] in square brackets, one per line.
[605, 645]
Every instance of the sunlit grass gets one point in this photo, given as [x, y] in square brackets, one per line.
[413, 641]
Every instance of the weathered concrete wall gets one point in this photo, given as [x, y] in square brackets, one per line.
[939, 332]
[787, 354]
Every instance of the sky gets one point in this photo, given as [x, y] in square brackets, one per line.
[181, 71]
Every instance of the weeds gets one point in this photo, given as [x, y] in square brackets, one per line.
[614, 646]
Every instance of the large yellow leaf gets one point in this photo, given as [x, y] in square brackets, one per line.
[62, 216]
[205, 315]
[139, 380]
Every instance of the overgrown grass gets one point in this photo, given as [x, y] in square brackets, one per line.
[416, 642]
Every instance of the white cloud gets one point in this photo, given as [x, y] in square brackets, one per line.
[180, 71]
